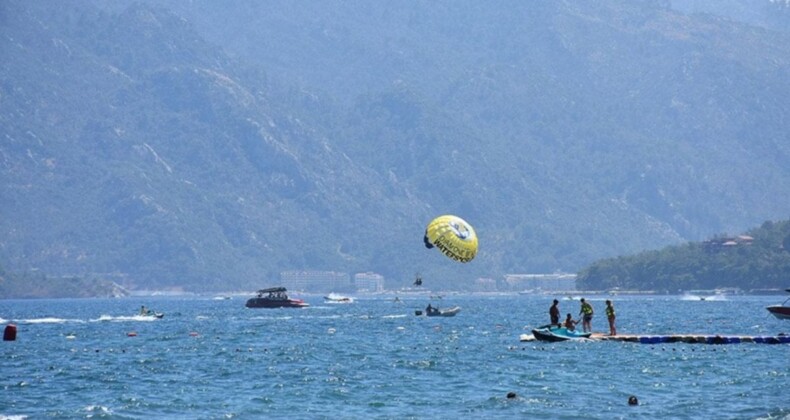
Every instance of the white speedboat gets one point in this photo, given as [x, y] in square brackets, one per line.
[335, 298]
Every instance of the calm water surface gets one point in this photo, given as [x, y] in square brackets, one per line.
[374, 358]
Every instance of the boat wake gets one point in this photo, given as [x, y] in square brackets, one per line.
[334, 316]
[124, 318]
[336, 298]
[99, 410]
[272, 317]
[49, 320]
[718, 298]
[103, 318]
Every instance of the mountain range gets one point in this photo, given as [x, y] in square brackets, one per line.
[208, 146]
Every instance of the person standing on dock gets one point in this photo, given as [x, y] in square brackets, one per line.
[586, 315]
[554, 313]
[610, 316]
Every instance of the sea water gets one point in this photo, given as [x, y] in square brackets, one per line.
[374, 358]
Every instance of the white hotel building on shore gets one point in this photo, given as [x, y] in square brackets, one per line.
[314, 281]
[541, 282]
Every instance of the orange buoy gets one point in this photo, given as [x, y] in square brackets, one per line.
[9, 334]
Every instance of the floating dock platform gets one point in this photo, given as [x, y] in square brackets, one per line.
[683, 338]
[695, 339]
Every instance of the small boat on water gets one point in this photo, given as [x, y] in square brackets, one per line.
[274, 297]
[555, 333]
[443, 312]
[335, 298]
[145, 312]
[781, 311]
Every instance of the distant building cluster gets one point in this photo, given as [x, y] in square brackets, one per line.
[485, 285]
[369, 282]
[727, 242]
[315, 281]
[541, 282]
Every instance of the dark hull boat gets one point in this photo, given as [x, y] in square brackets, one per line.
[147, 313]
[274, 297]
[780, 311]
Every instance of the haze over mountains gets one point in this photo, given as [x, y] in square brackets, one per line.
[209, 145]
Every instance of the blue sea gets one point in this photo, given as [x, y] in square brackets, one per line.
[213, 358]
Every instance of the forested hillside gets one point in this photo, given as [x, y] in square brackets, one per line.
[756, 259]
[209, 146]
[37, 285]
[771, 14]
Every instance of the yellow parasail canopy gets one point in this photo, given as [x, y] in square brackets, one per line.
[453, 236]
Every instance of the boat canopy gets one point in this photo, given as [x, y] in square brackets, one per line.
[272, 290]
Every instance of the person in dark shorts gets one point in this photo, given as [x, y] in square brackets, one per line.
[554, 313]
[586, 314]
